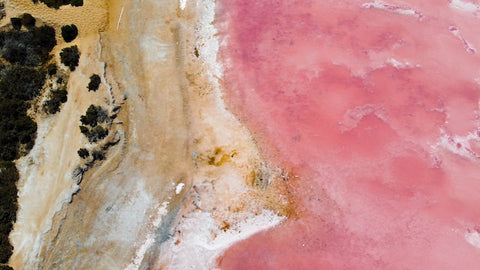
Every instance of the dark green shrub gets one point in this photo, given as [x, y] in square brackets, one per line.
[94, 83]
[76, 3]
[58, 3]
[97, 133]
[93, 116]
[94, 134]
[98, 155]
[5, 267]
[20, 82]
[57, 97]
[29, 48]
[16, 23]
[90, 117]
[70, 57]
[52, 69]
[17, 48]
[6, 248]
[83, 153]
[44, 39]
[28, 20]
[84, 130]
[69, 32]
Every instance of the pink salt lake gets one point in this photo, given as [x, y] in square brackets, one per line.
[375, 107]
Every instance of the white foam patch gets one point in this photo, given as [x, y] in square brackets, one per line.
[459, 145]
[179, 188]
[464, 6]
[201, 241]
[393, 9]
[183, 4]
[473, 238]
[401, 65]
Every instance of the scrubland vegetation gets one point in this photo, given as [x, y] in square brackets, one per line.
[25, 66]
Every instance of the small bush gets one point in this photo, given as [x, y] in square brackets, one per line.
[70, 57]
[76, 3]
[97, 133]
[52, 69]
[90, 117]
[94, 83]
[57, 97]
[6, 248]
[84, 130]
[5, 267]
[90, 123]
[58, 3]
[28, 20]
[93, 116]
[94, 134]
[98, 154]
[44, 39]
[69, 32]
[83, 153]
[16, 23]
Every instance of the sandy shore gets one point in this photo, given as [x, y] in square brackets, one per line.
[180, 182]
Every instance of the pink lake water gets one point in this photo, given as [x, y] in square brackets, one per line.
[375, 107]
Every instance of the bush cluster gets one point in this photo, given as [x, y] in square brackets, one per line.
[8, 206]
[22, 76]
[57, 97]
[90, 127]
[94, 134]
[98, 154]
[29, 48]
